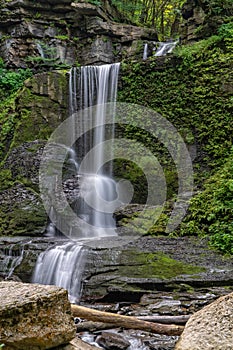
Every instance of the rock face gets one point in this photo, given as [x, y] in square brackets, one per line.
[210, 328]
[47, 34]
[40, 107]
[34, 316]
[202, 18]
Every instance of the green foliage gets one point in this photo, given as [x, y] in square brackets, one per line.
[219, 7]
[6, 179]
[226, 30]
[7, 123]
[95, 2]
[192, 52]
[62, 37]
[211, 212]
[48, 58]
[194, 92]
[11, 81]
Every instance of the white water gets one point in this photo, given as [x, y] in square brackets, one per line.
[62, 266]
[12, 259]
[40, 50]
[165, 48]
[145, 52]
[97, 86]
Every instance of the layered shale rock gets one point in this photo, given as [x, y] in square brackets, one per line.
[34, 316]
[45, 34]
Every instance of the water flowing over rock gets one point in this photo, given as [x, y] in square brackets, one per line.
[34, 316]
[210, 328]
[62, 266]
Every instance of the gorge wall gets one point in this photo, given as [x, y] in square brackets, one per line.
[45, 34]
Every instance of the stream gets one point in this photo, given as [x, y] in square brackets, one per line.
[115, 279]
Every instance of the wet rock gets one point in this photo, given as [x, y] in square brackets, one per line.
[210, 328]
[22, 212]
[34, 316]
[112, 341]
[77, 344]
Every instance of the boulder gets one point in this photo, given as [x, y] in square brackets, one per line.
[112, 341]
[210, 328]
[34, 316]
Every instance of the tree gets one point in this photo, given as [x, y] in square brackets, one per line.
[160, 14]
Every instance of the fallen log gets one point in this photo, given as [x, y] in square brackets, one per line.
[166, 319]
[129, 322]
[91, 326]
[100, 326]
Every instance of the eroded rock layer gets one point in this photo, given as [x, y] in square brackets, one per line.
[44, 34]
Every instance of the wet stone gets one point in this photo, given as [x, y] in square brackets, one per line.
[112, 341]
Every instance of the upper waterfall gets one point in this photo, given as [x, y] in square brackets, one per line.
[91, 89]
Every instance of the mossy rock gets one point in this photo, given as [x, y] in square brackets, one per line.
[22, 212]
[155, 265]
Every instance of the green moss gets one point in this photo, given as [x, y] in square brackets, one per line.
[22, 218]
[194, 91]
[156, 265]
[7, 124]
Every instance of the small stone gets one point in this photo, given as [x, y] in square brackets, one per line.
[112, 341]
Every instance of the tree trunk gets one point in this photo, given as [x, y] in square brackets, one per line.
[125, 321]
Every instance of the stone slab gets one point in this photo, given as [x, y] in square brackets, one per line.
[34, 317]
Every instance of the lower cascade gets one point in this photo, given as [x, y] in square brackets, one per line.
[63, 264]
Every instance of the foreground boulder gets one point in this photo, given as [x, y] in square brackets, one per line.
[34, 316]
[210, 328]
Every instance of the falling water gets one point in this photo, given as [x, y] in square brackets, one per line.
[165, 48]
[97, 86]
[40, 50]
[63, 265]
[145, 52]
[11, 258]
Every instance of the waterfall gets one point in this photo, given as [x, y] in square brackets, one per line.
[145, 52]
[165, 48]
[11, 258]
[62, 266]
[40, 50]
[94, 86]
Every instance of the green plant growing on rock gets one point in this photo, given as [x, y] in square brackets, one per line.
[211, 212]
[11, 81]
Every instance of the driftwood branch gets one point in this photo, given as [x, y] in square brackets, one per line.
[129, 322]
[166, 319]
[91, 326]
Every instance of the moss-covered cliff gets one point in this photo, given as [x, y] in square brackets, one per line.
[194, 90]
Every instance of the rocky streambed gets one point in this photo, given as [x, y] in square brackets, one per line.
[138, 277]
